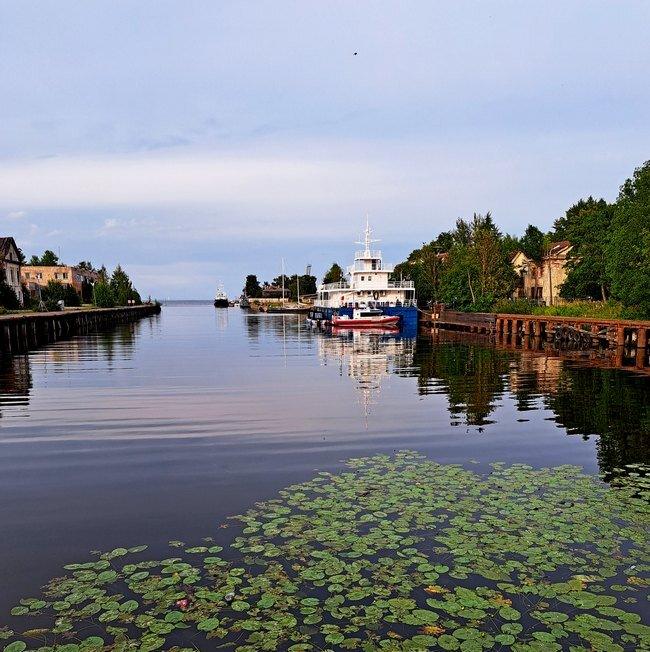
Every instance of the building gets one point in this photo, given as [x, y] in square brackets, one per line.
[36, 277]
[541, 281]
[10, 265]
[274, 292]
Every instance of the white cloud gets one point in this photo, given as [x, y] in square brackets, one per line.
[16, 215]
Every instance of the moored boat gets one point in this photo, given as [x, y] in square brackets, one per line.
[365, 318]
[369, 284]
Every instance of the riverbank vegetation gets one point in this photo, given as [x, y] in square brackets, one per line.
[469, 267]
[398, 553]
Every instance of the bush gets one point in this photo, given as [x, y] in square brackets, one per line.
[8, 298]
[104, 296]
[513, 307]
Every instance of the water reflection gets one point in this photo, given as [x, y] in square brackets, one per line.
[366, 357]
[15, 382]
[477, 378]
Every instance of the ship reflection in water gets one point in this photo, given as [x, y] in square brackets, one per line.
[367, 356]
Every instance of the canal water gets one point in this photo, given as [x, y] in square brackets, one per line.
[161, 429]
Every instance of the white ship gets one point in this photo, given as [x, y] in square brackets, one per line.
[368, 285]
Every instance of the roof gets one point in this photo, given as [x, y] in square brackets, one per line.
[6, 244]
[557, 247]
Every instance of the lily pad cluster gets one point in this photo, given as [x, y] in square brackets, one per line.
[398, 553]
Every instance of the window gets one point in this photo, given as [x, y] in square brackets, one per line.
[65, 274]
[26, 274]
[369, 278]
[363, 278]
[56, 275]
[39, 275]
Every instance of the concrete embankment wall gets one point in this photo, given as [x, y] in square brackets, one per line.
[20, 333]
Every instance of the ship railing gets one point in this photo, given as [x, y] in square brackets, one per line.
[335, 286]
[368, 253]
[362, 266]
[401, 285]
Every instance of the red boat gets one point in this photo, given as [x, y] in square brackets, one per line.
[365, 318]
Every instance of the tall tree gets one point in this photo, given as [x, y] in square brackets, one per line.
[252, 288]
[532, 243]
[587, 227]
[334, 274]
[49, 258]
[628, 246]
[122, 288]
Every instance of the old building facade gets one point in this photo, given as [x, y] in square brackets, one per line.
[540, 281]
[10, 265]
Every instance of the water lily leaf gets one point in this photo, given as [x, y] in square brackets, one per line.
[208, 624]
[16, 646]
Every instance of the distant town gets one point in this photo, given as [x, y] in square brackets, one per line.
[45, 284]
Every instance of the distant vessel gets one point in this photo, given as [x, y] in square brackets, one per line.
[369, 286]
[244, 302]
[221, 298]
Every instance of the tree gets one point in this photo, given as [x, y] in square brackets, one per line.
[49, 259]
[122, 288]
[532, 243]
[252, 288]
[307, 286]
[103, 295]
[587, 227]
[334, 274]
[8, 298]
[628, 245]
[21, 256]
[86, 264]
[56, 291]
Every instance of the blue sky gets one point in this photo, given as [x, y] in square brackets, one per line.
[199, 141]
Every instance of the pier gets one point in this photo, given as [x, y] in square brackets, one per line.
[22, 332]
[578, 332]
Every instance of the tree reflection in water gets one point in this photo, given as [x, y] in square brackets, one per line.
[586, 399]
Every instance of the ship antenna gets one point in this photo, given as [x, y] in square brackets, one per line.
[367, 240]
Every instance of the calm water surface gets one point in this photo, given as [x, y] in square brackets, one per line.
[161, 429]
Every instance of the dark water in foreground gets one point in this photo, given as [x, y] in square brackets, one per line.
[160, 430]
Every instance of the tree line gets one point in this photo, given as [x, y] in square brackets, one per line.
[293, 285]
[470, 267]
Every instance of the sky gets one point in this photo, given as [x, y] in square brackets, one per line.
[195, 142]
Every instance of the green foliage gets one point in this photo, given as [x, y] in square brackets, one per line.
[8, 298]
[532, 243]
[49, 258]
[305, 284]
[628, 244]
[104, 296]
[449, 558]
[334, 274]
[513, 307]
[123, 290]
[587, 227]
[252, 288]
[56, 291]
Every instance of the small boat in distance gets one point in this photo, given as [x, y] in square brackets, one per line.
[244, 302]
[221, 298]
[365, 318]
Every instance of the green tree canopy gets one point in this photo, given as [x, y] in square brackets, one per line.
[122, 288]
[49, 258]
[532, 243]
[252, 288]
[587, 226]
[628, 245]
[334, 274]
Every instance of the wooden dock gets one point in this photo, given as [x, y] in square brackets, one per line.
[22, 332]
[579, 331]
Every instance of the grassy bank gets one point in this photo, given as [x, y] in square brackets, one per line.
[589, 309]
